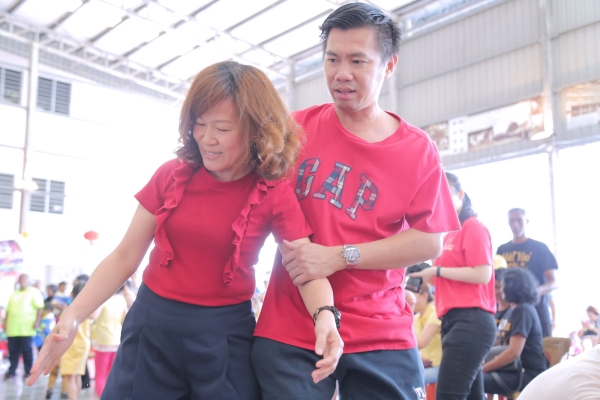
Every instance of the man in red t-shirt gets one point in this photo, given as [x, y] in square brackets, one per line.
[374, 192]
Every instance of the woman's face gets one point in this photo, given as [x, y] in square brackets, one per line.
[220, 137]
[592, 316]
[421, 303]
[457, 198]
[499, 291]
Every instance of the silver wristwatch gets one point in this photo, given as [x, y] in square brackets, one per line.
[351, 255]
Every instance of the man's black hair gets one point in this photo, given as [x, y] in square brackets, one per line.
[360, 15]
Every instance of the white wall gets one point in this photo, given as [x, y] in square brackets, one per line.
[105, 151]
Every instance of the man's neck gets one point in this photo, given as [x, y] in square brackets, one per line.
[371, 124]
[520, 239]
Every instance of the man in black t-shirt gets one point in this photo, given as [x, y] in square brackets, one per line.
[535, 257]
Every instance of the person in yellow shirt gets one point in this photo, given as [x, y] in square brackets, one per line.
[427, 329]
[106, 336]
[23, 315]
[73, 362]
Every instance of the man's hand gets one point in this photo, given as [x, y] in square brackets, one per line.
[308, 261]
[36, 324]
[329, 344]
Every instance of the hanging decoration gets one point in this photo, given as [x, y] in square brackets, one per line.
[91, 236]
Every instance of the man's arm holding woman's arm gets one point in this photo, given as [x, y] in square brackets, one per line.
[305, 262]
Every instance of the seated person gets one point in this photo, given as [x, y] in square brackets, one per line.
[524, 335]
[591, 326]
[427, 329]
[503, 308]
[410, 299]
[577, 378]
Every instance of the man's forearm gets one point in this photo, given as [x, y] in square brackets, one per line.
[547, 288]
[399, 251]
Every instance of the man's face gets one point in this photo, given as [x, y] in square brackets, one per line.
[517, 222]
[354, 70]
[62, 287]
[24, 282]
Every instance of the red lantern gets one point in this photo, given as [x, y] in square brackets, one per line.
[91, 236]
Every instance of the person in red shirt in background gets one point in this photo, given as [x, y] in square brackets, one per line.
[465, 301]
[189, 333]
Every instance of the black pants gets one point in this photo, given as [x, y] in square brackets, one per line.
[511, 381]
[284, 373]
[176, 351]
[468, 334]
[18, 345]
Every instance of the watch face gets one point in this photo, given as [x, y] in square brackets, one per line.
[351, 255]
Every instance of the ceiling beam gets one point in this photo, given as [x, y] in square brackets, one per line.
[85, 54]
[66, 16]
[16, 5]
[193, 18]
[257, 14]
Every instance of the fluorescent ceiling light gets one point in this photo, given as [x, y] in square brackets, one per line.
[72, 5]
[542, 135]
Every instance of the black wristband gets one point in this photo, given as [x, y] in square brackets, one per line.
[437, 273]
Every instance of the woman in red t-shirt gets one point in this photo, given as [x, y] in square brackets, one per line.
[465, 301]
[189, 333]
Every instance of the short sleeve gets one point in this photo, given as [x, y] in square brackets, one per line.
[151, 195]
[38, 299]
[477, 244]
[288, 220]
[521, 321]
[431, 209]
[433, 320]
[549, 259]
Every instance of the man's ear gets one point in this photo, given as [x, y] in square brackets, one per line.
[390, 66]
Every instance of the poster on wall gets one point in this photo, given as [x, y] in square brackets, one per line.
[582, 103]
[519, 121]
[11, 258]
[515, 122]
[440, 135]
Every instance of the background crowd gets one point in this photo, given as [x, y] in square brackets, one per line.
[30, 316]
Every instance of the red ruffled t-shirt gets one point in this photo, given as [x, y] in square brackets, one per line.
[209, 233]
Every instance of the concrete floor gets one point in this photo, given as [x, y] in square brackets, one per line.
[17, 389]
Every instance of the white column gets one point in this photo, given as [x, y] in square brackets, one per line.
[34, 56]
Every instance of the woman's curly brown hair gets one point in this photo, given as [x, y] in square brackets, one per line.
[272, 139]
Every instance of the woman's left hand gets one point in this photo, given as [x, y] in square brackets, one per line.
[329, 344]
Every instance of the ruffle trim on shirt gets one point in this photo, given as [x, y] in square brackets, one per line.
[239, 226]
[172, 197]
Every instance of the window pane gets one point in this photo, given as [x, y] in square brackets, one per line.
[7, 183]
[578, 218]
[44, 95]
[38, 198]
[520, 182]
